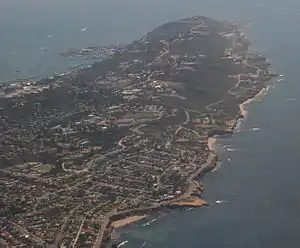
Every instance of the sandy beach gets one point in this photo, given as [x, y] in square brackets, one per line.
[243, 106]
[127, 220]
[190, 202]
[210, 143]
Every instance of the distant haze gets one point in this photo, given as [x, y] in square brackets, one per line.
[26, 25]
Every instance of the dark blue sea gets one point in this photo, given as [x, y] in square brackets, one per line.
[254, 194]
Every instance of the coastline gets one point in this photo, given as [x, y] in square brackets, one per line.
[126, 221]
[243, 106]
[188, 200]
[117, 219]
[211, 142]
[185, 200]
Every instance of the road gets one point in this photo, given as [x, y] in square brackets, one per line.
[187, 114]
[99, 238]
[238, 81]
[79, 231]
[60, 235]
[178, 129]
[73, 171]
[102, 157]
[209, 107]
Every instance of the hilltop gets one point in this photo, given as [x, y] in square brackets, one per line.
[122, 137]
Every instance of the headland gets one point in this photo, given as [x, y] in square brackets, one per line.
[84, 150]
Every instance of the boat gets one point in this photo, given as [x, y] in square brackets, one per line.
[122, 244]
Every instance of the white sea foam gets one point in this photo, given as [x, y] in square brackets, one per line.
[218, 166]
[149, 222]
[237, 128]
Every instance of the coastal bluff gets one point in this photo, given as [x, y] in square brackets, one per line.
[87, 151]
[190, 202]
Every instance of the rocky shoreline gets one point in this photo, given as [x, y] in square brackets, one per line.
[122, 138]
[187, 201]
[192, 201]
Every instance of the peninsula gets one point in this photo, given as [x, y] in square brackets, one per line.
[84, 150]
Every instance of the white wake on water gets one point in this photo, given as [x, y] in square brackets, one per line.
[149, 222]
[291, 99]
[231, 150]
[221, 201]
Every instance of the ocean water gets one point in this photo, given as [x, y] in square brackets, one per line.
[254, 198]
[257, 183]
[33, 33]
